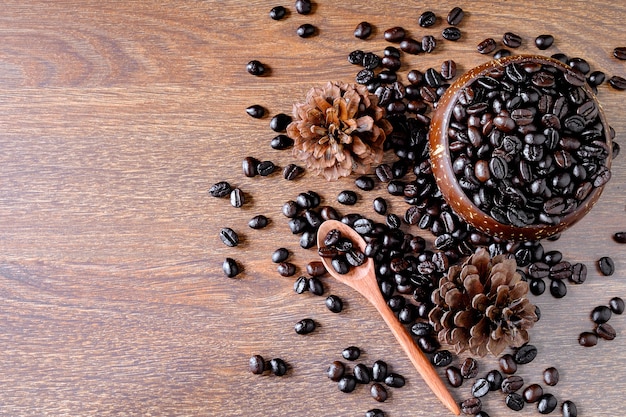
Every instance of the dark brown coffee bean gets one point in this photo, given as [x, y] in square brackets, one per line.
[620, 53]
[256, 111]
[361, 373]
[501, 53]
[455, 16]
[606, 266]
[280, 255]
[395, 34]
[258, 222]
[532, 393]
[315, 269]
[562, 270]
[480, 388]
[255, 67]
[569, 409]
[305, 326]
[249, 165]
[558, 289]
[471, 406]
[547, 403]
[601, 314]
[619, 237]
[351, 353]
[365, 183]
[278, 366]
[455, 379]
[336, 371]
[427, 19]
[428, 43]
[257, 364]
[579, 273]
[279, 123]
[469, 368]
[511, 40]
[384, 173]
[525, 354]
[374, 412]
[507, 364]
[606, 331]
[286, 269]
[291, 172]
[512, 384]
[514, 401]
[616, 304]
[588, 339]
[395, 380]
[220, 189]
[347, 383]
[487, 46]
[378, 392]
[229, 237]
[494, 377]
[265, 168]
[230, 268]
[304, 6]
[334, 303]
[363, 30]
[410, 46]
[448, 69]
[543, 42]
[347, 197]
[617, 82]
[451, 33]
[237, 198]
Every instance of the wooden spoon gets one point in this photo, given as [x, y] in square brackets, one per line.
[363, 279]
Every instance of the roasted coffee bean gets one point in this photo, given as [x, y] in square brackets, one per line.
[315, 268]
[384, 173]
[378, 392]
[415, 77]
[371, 61]
[230, 268]
[379, 371]
[255, 67]
[569, 409]
[579, 64]
[257, 364]
[229, 237]
[361, 373]
[448, 69]
[394, 34]
[469, 368]
[336, 371]
[305, 326]
[487, 46]
[512, 384]
[428, 43]
[617, 82]
[258, 222]
[480, 388]
[558, 289]
[427, 19]
[281, 142]
[292, 171]
[334, 303]
[220, 189]
[537, 286]
[525, 354]
[278, 366]
[427, 344]
[298, 225]
[278, 12]
[365, 76]
[356, 57]
[365, 183]
[471, 406]
[286, 269]
[620, 53]
[304, 6]
[347, 197]
[606, 266]
[411, 46]
[601, 314]
[256, 111]
[547, 403]
[279, 123]
[606, 331]
[552, 257]
[501, 53]
[619, 237]
[512, 40]
[543, 42]
[355, 257]
[455, 16]
[442, 358]
[374, 412]
[315, 286]
[514, 401]
[265, 168]
[507, 364]
[455, 379]
[290, 209]
[380, 205]
[280, 255]
[451, 33]
[579, 273]
[301, 285]
[617, 305]
[551, 376]
[347, 383]
[394, 380]
[596, 78]
[363, 30]
[494, 377]
[425, 329]
[340, 264]
[351, 353]
[306, 30]
[588, 339]
[532, 393]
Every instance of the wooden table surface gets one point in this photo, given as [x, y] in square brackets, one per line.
[115, 119]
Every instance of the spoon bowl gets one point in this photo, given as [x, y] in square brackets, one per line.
[363, 280]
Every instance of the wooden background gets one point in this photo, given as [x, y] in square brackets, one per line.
[115, 119]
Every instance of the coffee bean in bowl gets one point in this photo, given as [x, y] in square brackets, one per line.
[520, 147]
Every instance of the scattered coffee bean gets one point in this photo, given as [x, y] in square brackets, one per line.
[455, 16]
[315, 286]
[601, 314]
[278, 366]
[620, 53]
[278, 12]
[588, 339]
[551, 376]
[365, 183]
[507, 364]
[351, 353]
[286, 269]
[616, 304]
[620, 237]
[427, 19]
[305, 326]
[279, 122]
[606, 331]
[292, 171]
[494, 377]
[579, 273]
[304, 6]
[334, 303]
[501, 53]
[410, 46]
[441, 358]
[606, 266]
[378, 392]
[543, 42]
[428, 43]
[257, 364]
[347, 197]
[229, 237]
[220, 189]
[306, 30]
[451, 33]
[280, 255]
[394, 380]
[363, 30]
[256, 111]
[301, 285]
[347, 383]
[547, 403]
[362, 374]
[379, 371]
[569, 409]
[537, 286]
[471, 406]
[230, 268]
[255, 67]
[525, 354]
[454, 376]
[487, 46]
[265, 168]
[335, 371]
[514, 401]
[558, 289]
[512, 384]
[480, 388]
[596, 78]
[617, 82]
[532, 393]
[375, 412]
[448, 69]
[511, 40]
[469, 368]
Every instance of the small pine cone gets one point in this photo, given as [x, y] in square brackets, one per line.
[340, 129]
[481, 306]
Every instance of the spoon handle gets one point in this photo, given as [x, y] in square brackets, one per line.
[417, 357]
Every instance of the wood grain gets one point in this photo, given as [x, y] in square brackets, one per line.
[116, 118]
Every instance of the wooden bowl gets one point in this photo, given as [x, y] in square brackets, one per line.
[442, 164]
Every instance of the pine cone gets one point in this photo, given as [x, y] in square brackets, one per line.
[339, 129]
[482, 306]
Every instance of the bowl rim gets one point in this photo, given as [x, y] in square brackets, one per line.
[446, 179]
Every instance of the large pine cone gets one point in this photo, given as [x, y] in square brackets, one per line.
[339, 129]
[482, 307]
